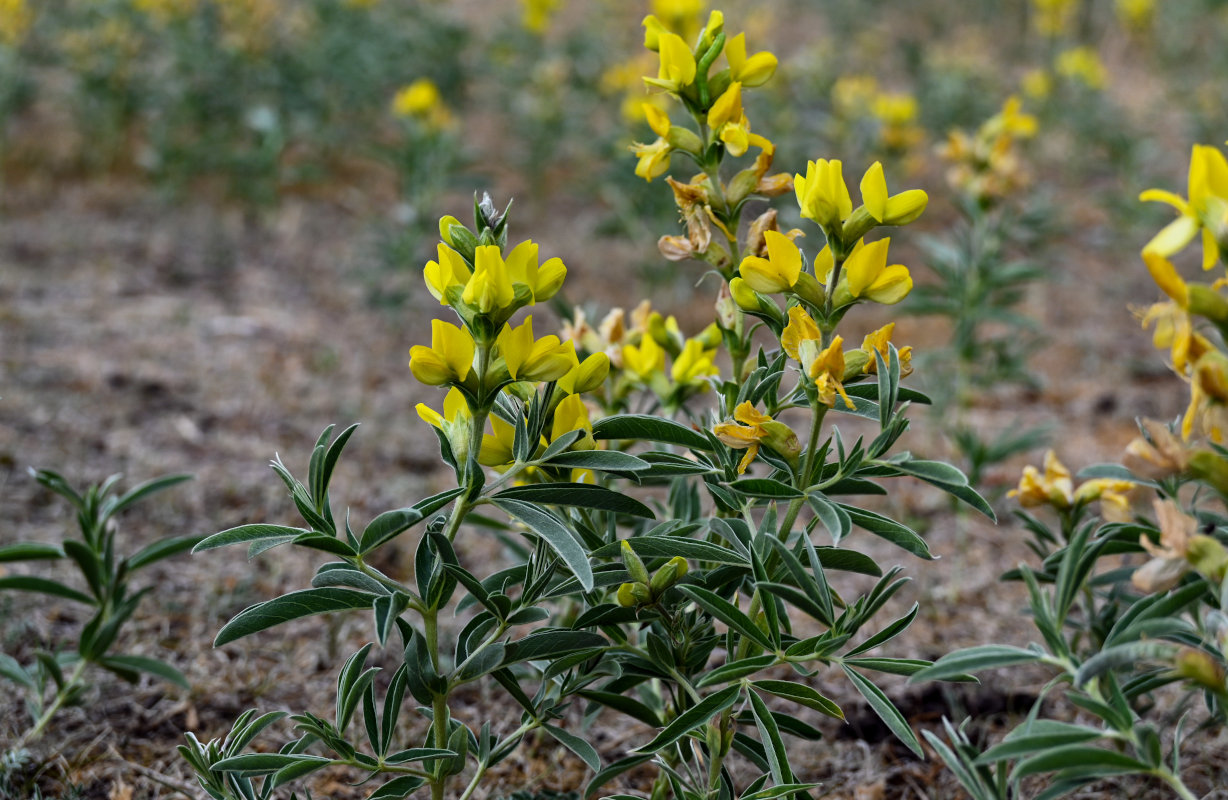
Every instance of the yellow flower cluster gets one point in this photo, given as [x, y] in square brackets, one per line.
[651, 352]
[986, 166]
[1082, 65]
[685, 73]
[487, 353]
[1055, 487]
[1053, 17]
[856, 98]
[15, 19]
[536, 14]
[421, 101]
[1202, 214]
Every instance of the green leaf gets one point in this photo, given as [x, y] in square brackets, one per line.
[897, 533]
[843, 560]
[692, 718]
[419, 754]
[29, 551]
[888, 633]
[727, 613]
[247, 533]
[580, 495]
[783, 790]
[622, 703]
[613, 771]
[153, 666]
[294, 605]
[398, 788]
[30, 583]
[1081, 757]
[607, 460]
[1128, 654]
[933, 471]
[736, 670]
[1039, 736]
[391, 524]
[897, 666]
[586, 752]
[560, 538]
[800, 693]
[975, 659]
[9, 668]
[653, 429]
[145, 489]
[834, 518]
[670, 546]
[765, 488]
[773, 745]
[548, 644]
[885, 709]
[264, 763]
[159, 550]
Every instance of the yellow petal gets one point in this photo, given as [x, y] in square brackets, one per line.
[865, 265]
[801, 328]
[515, 345]
[1174, 236]
[1165, 275]
[891, 286]
[874, 191]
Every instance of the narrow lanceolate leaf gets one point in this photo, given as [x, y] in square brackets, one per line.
[580, 495]
[692, 718]
[164, 548]
[550, 644]
[551, 529]
[728, 613]
[773, 744]
[586, 752]
[264, 763]
[1081, 757]
[885, 709]
[30, 583]
[800, 693]
[648, 428]
[1041, 735]
[670, 546]
[398, 788]
[9, 668]
[247, 533]
[153, 666]
[391, 524]
[975, 659]
[766, 488]
[287, 607]
[897, 533]
[609, 460]
[29, 551]
[736, 670]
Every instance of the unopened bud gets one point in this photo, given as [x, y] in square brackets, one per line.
[634, 564]
[1206, 302]
[1208, 556]
[1211, 468]
[727, 312]
[668, 575]
[1200, 667]
[633, 594]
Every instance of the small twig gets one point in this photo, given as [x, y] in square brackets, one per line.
[157, 777]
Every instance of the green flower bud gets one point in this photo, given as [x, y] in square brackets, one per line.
[635, 566]
[668, 575]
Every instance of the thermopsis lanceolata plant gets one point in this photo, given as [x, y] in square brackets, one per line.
[657, 563]
[56, 678]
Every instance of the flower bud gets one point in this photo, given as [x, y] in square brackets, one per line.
[1200, 667]
[633, 594]
[781, 439]
[668, 575]
[1206, 302]
[634, 564]
[1208, 556]
[1210, 468]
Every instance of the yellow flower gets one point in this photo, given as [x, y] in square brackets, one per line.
[1158, 454]
[572, 415]
[529, 359]
[587, 375]
[653, 158]
[778, 272]
[1136, 15]
[449, 358]
[543, 281]
[1037, 84]
[421, 100]
[497, 448]
[1084, 65]
[822, 194]
[728, 121]
[1175, 331]
[449, 271]
[490, 287]
[15, 19]
[537, 14]
[1053, 17]
[693, 363]
[1208, 397]
[644, 361]
[753, 71]
[1114, 497]
[869, 277]
[757, 429]
[1205, 209]
[1055, 487]
[677, 70]
[877, 342]
[803, 341]
[899, 209]
[453, 422]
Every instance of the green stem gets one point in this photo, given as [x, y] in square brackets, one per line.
[1175, 783]
[69, 687]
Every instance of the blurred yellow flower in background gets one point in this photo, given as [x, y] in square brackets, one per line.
[15, 19]
[1082, 64]
[421, 100]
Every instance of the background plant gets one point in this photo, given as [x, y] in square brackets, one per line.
[57, 677]
[1114, 634]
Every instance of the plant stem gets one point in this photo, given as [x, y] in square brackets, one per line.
[70, 686]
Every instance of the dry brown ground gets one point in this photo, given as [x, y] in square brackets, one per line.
[146, 339]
